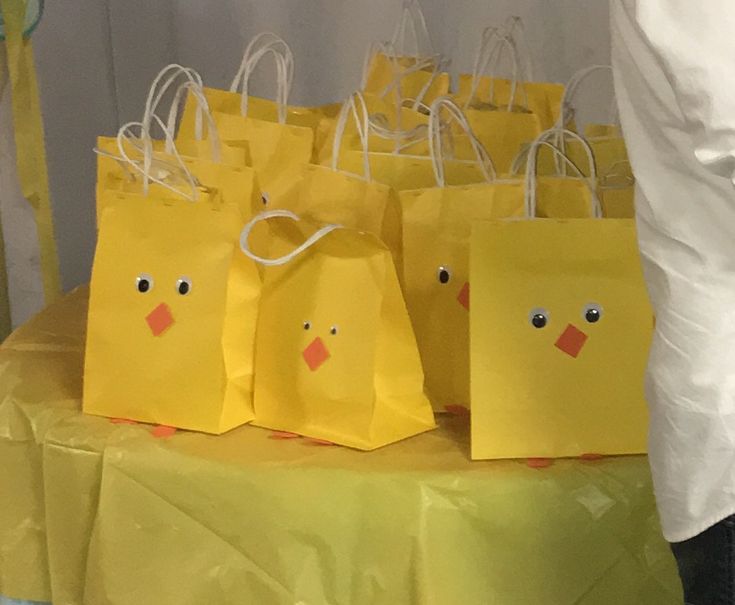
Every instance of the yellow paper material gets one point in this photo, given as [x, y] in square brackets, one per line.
[404, 172]
[543, 98]
[29, 141]
[503, 133]
[423, 84]
[182, 359]
[570, 387]
[336, 357]
[104, 513]
[334, 196]
[278, 152]
[236, 184]
[437, 224]
[224, 101]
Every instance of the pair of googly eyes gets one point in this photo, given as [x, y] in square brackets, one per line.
[144, 284]
[591, 313]
[334, 330]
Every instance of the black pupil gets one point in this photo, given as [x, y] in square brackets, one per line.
[183, 287]
[593, 316]
[143, 285]
[443, 276]
[539, 321]
[307, 325]
[264, 199]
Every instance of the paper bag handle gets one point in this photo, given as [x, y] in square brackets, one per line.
[491, 61]
[514, 24]
[266, 43]
[123, 135]
[160, 85]
[362, 120]
[202, 108]
[436, 144]
[567, 109]
[411, 14]
[531, 164]
[273, 262]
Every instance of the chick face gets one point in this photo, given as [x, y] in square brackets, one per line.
[437, 224]
[317, 343]
[160, 296]
[560, 334]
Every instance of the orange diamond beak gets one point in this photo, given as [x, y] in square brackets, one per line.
[316, 354]
[160, 319]
[571, 341]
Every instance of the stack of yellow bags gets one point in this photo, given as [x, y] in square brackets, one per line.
[311, 269]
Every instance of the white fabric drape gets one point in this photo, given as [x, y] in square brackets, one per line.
[95, 59]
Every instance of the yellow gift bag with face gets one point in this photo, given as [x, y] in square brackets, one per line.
[482, 86]
[437, 223]
[560, 330]
[172, 313]
[356, 201]
[336, 357]
[416, 74]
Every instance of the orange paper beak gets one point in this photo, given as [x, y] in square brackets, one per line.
[571, 341]
[160, 319]
[316, 354]
[464, 296]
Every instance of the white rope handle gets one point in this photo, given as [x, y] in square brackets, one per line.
[489, 34]
[531, 170]
[493, 55]
[436, 145]
[197, 93]
[412, 14]
[265, 44]
[567, 109]
[160, 85]
[125, 134]
[518, 80]
[514, 24]
[273, 262]
[399, 73]
[262, 40]
[362, 122]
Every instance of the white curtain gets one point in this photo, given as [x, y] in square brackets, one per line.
[96, 58]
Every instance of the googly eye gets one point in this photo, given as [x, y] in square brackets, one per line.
[144, 283]
[334, 330]
[307, 325]
[265, 198]
[592, 313]
[443, 274]
[539, 318]
[183, 286]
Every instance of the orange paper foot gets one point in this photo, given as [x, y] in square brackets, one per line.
[591, 457]
[161, 432]
[283, 435]
[539, 462]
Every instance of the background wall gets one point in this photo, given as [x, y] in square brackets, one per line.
[96, 58]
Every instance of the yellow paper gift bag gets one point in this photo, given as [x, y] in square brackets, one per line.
[483, 86]
[413, 73]
[211, 163]
[560, 330]
[238, 101]
[336, 357]
[437, 223]
[172, 314]
[356, 201]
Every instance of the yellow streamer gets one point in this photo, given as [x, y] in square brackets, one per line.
[29, 140]
[5, 325]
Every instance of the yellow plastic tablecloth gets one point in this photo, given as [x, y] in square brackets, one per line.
[94, 512]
